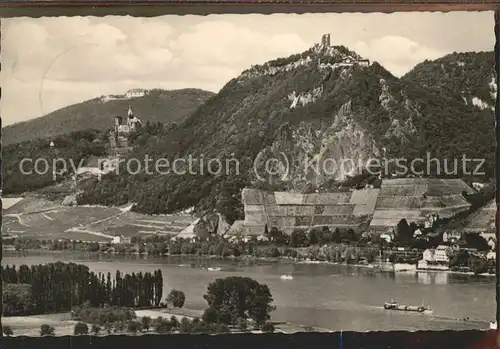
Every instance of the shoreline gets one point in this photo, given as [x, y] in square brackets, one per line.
[376, 266]
[29, 325]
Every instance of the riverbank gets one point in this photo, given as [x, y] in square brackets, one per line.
[64, 325]
[336, 297]
[379, 267]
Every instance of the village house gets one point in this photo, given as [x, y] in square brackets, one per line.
[491, 255]
[428, 255]
[262, 238]
[492, 244]
[478, 186]
[364, 62]
[417, 233]
[430, 220]
[452, 236]
[388, 237]
[442, 254]
[120, 240]
[435, 259]
[439, 255]
[488, 235]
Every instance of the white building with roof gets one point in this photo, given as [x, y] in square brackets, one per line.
[442, 254]
[135, 93]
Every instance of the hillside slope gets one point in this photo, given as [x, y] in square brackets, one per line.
[315, 106]
[157, 105]
[470, 75]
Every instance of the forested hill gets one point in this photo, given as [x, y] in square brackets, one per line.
[156, 105]
[470, 75]
[325, 103]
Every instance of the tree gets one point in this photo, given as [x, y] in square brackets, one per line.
[336, 237]
[351, 235]
[174, 322]
[298, 238]
[222, 328]
[108, 327]
[146, 323]
[47, 330]
[96, 329]
[242, 297]
[274, 252]
[225, 315]
[474, 240]
[479, 265]
[459, 259]
[185, 326]
[404, 233]
[268, 327]
[17, 298]
[274, 234]
[7, 330]
[313, 237]
[161, 325]
[81, 328]
[120, 326]
[210, 316]
[242, 324]
[133, 327]
[176, 298]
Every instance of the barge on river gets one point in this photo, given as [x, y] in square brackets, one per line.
[396, 306]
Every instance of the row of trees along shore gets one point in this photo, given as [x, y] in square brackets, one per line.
[232, 302]
[56, 287]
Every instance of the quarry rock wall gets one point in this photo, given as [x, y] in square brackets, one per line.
[289, 211]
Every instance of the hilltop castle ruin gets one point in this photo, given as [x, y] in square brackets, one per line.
[326, 47]
[119, 135]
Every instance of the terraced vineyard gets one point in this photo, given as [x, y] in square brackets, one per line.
[42, 219]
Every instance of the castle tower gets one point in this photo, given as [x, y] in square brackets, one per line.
[130, 113]
[118, 121]
[325, 40]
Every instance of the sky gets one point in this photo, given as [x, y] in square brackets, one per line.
[52, 62]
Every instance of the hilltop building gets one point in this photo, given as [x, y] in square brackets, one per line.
[135, 93]
[326, 47]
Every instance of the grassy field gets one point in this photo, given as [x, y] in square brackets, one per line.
[64, 326]
[30, 325]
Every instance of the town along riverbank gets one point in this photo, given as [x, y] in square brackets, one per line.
[375, 257]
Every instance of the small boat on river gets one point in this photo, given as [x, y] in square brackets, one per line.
[286, 277]
[400, 307]
[214, 269]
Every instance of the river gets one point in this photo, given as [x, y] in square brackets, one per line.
[329, 296]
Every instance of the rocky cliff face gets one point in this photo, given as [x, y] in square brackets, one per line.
[315, 152]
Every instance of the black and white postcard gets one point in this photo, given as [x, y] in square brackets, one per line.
[248, 173]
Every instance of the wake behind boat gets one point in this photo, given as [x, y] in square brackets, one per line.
[401, 307]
